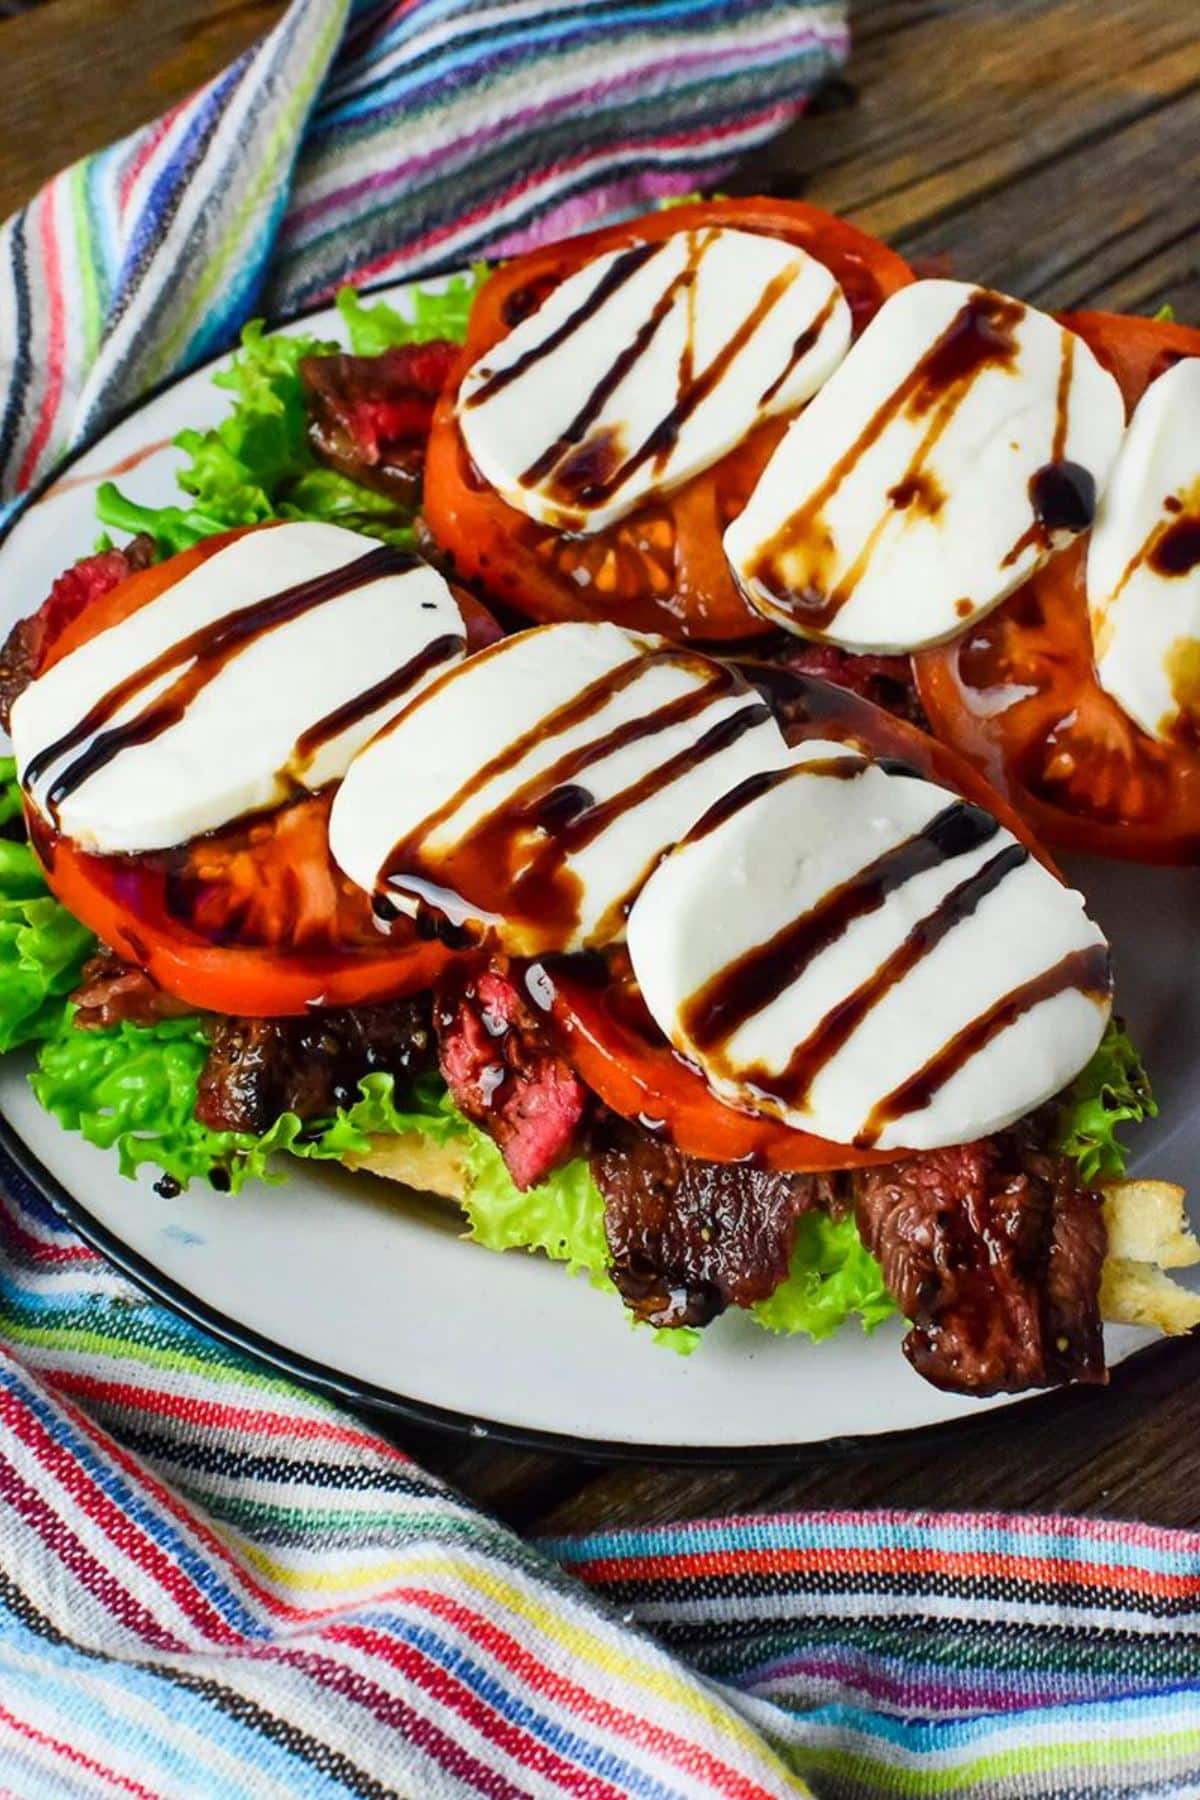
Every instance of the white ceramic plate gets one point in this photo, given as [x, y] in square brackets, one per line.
[350, 1282]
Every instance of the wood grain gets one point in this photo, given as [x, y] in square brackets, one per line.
[1051, 147]
[78, 74]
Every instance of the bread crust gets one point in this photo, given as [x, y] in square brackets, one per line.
[418, 1162]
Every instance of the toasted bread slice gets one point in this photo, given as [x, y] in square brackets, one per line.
[1148, 1233]
[418, 1162]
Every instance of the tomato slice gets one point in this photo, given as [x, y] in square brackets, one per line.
[604, 1031]
[663, 568]
[254, 919]
[1018, 693]
[130, 903]
[602, 1025]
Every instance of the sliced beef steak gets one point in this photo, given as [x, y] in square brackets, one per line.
[689, 1238]
[260, 1068]
[505, 1076]
[112, 992]
[993, 1251]
[370, 415]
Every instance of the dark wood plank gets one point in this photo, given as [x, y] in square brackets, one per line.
[79, 74]
[1051, 147]
[1048, 146]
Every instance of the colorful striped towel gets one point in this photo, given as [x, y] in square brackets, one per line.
[383, 138]
[214, 1585]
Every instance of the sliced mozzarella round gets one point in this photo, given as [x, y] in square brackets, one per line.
[532, 789]
[963, 439]
[1143, 569]
[645, 367]
[264, 668]
[886, 966]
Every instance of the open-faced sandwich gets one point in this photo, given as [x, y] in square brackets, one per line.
[596, 751]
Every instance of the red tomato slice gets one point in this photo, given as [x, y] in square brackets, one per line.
[255, 919]
[131, 903]
[663, 568]
[605, 1032]
[1018, 693]
[602, 1025]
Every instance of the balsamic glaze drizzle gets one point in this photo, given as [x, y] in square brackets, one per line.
[1176, 549]
[388, 688]
[1087, 970]
[587, 462]
[200, 657]
[982, 334]
[692, 391]
[515, 862]
[749, 984]
[615, 276]
[792, 1085]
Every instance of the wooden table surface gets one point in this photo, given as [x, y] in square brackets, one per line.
[1051, 147]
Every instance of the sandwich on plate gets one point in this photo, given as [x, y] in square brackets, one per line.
[596, 749]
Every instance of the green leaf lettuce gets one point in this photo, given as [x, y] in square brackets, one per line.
[1113, 1090]
[42, 948]
[257, 464]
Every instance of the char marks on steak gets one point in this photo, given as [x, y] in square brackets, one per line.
[25, 647]
[369, 416]
[260, 1068]
[993, 1251]
[112, 992]
[688, 1238]
[504, 1075]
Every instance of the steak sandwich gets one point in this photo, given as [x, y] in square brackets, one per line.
[511, 776]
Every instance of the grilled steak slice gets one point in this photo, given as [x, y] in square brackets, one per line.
[76, 588]
[369, 416]
[689, 1238]
[113, 992]
[260, 1068]
[504, 1075]
[993, 1251]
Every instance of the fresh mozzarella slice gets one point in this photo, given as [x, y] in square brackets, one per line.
[963, 439]
[263, 669]
[645, 367]
[869, 957]
[533, 789]
[1143, 570]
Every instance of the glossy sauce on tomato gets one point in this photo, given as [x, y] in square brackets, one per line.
[1018, 693]
[596, 1011]
[662, 568]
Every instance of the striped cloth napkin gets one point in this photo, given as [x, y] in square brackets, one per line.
[214, 1584]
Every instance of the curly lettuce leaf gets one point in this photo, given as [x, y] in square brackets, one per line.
[42, 948]
[440, 313]
[1113, 1090]
[832, 1276]
[257, 464]
[133, 1089]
